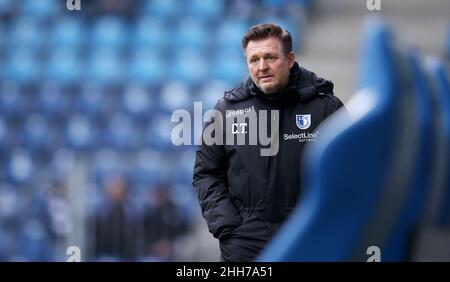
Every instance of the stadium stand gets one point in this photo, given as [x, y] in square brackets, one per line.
[84, 96]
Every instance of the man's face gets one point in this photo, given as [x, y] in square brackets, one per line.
[269, 67]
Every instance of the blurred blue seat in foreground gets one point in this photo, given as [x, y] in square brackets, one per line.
[447, 43]
[432, 241]
[356, 206]
[439, 204]
[400, 240]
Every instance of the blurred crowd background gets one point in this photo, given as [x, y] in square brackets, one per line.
[86, 99]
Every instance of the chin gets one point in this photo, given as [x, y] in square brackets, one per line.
[269, 90]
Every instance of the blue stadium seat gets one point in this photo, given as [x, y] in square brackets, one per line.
[206, 10]
[13, 103]
[27, 33]
[64, 67]
[137, 103]
[192, 33]
[278, 8]
[148, 169]
[68, 32]
[230, 66]
[368, 159]
[2, 246]
[440, 209]
[188, 204]
[282, 7]
[41, 10]
[182, 172]
[229, 33]
[175, 95]
[2, 40]
[109, 32]
[36, 135]
[20, 167]
[9, 202]
[92, 101]
[106, 67]
[61, 164]
[162, 9]
[305, 2]
[182, 69]
[158, 133]
[23, 67]
[106, 163]
[151, 33]
[51, 101]
[211, 92]
[80, 134]
[147, 68]
[121, 133]
[34, 241]
[5, 136]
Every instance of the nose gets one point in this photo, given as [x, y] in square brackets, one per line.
[262, 65]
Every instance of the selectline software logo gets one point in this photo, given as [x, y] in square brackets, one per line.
[73, 5]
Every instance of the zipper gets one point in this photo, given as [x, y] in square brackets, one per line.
[277, 184]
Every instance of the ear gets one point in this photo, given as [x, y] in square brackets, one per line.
[291, 59]
[244, 51]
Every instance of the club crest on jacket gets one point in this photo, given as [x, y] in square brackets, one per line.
[303, 121]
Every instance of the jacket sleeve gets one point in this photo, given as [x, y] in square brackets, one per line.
[211, 183]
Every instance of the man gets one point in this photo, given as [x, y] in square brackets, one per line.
[115, 222]
[245, 195]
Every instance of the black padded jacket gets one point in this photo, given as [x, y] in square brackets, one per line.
[245, 196]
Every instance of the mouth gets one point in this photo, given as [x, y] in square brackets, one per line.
[265, 78]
